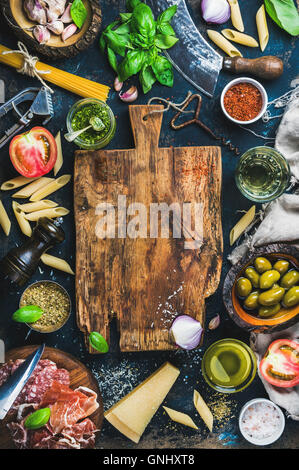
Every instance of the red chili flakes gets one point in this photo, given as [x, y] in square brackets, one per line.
[243, 101]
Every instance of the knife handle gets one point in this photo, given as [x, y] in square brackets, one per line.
[266, 67]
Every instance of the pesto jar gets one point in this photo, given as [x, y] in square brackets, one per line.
[78, 118]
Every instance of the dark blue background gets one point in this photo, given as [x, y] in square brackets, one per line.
[118, 372]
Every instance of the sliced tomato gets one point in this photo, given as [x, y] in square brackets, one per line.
[33, 153]
[280, 365]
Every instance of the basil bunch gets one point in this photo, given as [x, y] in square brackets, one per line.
[139, 40]
[285, 14]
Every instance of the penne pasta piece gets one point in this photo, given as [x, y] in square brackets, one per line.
[56, 263]
[203, 409]
[32, 187]
[181, 418]
[262, 27]
[59, 160]
[50, 213]
[223, 43]
[4, 220]
[236, 16]
[15, 183]
[242, 225]
[38, 206]
[50, 188]
[240, 38]
[20, 216]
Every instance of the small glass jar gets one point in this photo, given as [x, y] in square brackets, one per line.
[93, 144]
[262, 174]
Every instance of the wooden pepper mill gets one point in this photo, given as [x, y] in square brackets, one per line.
[20, 263]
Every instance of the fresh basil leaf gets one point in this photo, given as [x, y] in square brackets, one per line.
[98, 342]
[102, 43]
[163, 71]
[28, 314]
[78, 13]
[123, 29]
[167, 14]
[165, 42]
[147, 78]
[131, 64]
[118, 42]
[125, 17]
[131, 4]
[165, 28]
[112, 58]
[143, 21]
[38, 419]
[285, 14]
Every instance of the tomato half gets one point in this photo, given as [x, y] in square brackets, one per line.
[33, 153]
[280, 365]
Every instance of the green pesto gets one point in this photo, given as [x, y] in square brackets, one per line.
[81, 119]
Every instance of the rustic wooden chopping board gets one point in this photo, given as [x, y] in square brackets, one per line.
[145, 282]
[79, 376]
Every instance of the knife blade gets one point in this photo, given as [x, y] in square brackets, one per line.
[198, 62]
[16, 382]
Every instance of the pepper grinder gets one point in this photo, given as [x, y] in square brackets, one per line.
[20, 263]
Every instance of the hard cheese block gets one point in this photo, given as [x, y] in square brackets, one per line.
[133, 413]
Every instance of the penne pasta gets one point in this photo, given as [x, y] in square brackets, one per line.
[50, 188]
[203, 410]
[32, 187]
[59, 160]
[240, 38]
[242, 225]
[223, 43]
[262, 27]
[20, 216]
[38, 206]
[179, 417]
[16, 182]
[50, 213]
[56, 263]
[4, 220]
[236, 16]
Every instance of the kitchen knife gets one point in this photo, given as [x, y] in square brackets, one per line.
[198, 62]
[16, 382]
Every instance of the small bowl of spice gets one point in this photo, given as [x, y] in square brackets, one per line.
[261, 422]
[54, 301]
[81, 117]
[244, 100]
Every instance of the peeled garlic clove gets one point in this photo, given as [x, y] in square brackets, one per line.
[41, 34]
[56, 27]
[66, 17]
[68, 31]
[130, 95]
[117, 84]
[214, 323]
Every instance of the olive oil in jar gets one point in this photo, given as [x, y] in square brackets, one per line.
[262, 174]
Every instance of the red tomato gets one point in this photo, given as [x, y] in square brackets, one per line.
[33, 153]
[280, 365]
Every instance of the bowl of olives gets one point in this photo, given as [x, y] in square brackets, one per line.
[261, 293]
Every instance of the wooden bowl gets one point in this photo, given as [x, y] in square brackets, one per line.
[55, 48]
[243, 318]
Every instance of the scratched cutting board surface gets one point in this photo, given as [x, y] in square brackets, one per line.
[145, 282]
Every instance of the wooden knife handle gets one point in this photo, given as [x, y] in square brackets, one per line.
[267, 67]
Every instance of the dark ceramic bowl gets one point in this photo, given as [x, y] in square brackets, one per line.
[243, 318]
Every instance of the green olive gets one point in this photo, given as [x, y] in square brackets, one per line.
[291, 298]
[253, 276]
[262, 264]
[282, 266]
[290, 279]
[244, 287]
[251, 302]
[268, 278]
[270, 311]
[272, 296]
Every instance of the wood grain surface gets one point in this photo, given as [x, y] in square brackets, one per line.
[145, 282]
[79, 376]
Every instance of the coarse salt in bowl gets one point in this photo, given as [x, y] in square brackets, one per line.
[261, 422]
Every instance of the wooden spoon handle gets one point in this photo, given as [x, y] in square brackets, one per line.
[267, 67]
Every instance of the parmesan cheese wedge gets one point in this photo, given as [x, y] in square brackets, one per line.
[179, 417]
[242, 225]
[203, 409]
[132, 414]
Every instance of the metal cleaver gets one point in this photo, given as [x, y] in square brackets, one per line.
[198, 62]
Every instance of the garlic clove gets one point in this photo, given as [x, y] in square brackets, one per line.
[130, 95]
[66, 17]
[68, 31]
[214, 323]
[56, 27]
[117, 84]
[41, 34]
[35, 11]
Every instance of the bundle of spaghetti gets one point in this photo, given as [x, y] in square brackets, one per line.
[79, 85]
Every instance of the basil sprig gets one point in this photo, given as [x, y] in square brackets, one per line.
[134, 44]
[285, 14]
